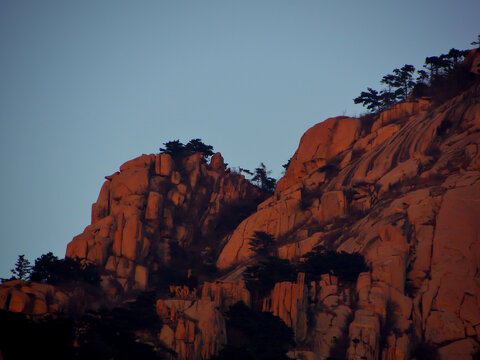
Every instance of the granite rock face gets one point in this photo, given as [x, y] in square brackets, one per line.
[402, 188]
[405, 194]
[153, 203]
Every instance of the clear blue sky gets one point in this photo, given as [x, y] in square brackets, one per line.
[88, 85]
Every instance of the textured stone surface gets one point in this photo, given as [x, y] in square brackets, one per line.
[289, 301]
[404, 193]
[32, 298]
[199, 328]
[152, 203]
[224, 293]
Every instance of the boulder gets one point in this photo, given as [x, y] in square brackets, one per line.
[443, 326]
[226, 293]
[19, 301]
[164, 165]
[131, 237]
[101, 208]
[318, 145]
[154, 206]
[459, 350]
[289, 301]
[332, 205]
[217, 163]
[143, 161]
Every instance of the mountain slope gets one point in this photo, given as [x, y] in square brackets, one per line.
[401, 188]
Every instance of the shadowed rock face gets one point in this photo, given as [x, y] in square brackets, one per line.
[152, 204]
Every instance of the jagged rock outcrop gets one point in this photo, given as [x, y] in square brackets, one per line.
[226, 293]
[193, 329]
[153, 203]
[401, 187]
[289, 301]
[31, 298]
[405, 194]
[38, 299]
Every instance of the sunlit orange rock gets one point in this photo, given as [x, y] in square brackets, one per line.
[153, 202]
[318, 145]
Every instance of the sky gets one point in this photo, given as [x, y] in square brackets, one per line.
[87, 85]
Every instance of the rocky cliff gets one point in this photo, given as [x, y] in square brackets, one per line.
[155, 206]
[404, 192]
[401, 187]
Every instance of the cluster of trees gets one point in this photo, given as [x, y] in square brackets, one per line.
[111, 333]
[346, 266]
[97, 335]
[51, 270]
[402, 82]
[255, 335]
[177, 149]
[263, 180]
[261, 277]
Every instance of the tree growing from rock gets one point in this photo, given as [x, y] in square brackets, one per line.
[404, 80]
[176, 149]
[261, 243]
[52, 270]
[389, 96]
[370, 99]
[262, 179]
[22, 268]
[196, 145]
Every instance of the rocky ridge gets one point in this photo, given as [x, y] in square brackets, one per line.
[152, 206]
[402, 188]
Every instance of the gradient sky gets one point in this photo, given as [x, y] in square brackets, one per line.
[88, 85]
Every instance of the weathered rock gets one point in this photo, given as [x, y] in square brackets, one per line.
[18, 301]
[333, 205]
[199, 328]
[217, 163]
[277, 217]
[401, 111]
[128, 182]
[289, 301]
[318, 145]
[295, 250]
[459, 350]
[470, 309]
[364, 335]
[143, 161]
[404, 193]
[444, 326]
[102, 207]
[164, 165]
[224, 294]
[141, 277]
[154, 206]
[149, 206]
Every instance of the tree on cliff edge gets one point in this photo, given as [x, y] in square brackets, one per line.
[261, 177]
[370, 99]
[176, 148]
[22, 268]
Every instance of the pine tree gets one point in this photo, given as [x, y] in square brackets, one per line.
[261, 177]
[404, 80]
[22, 268]
[370, 98]
[261, 243]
